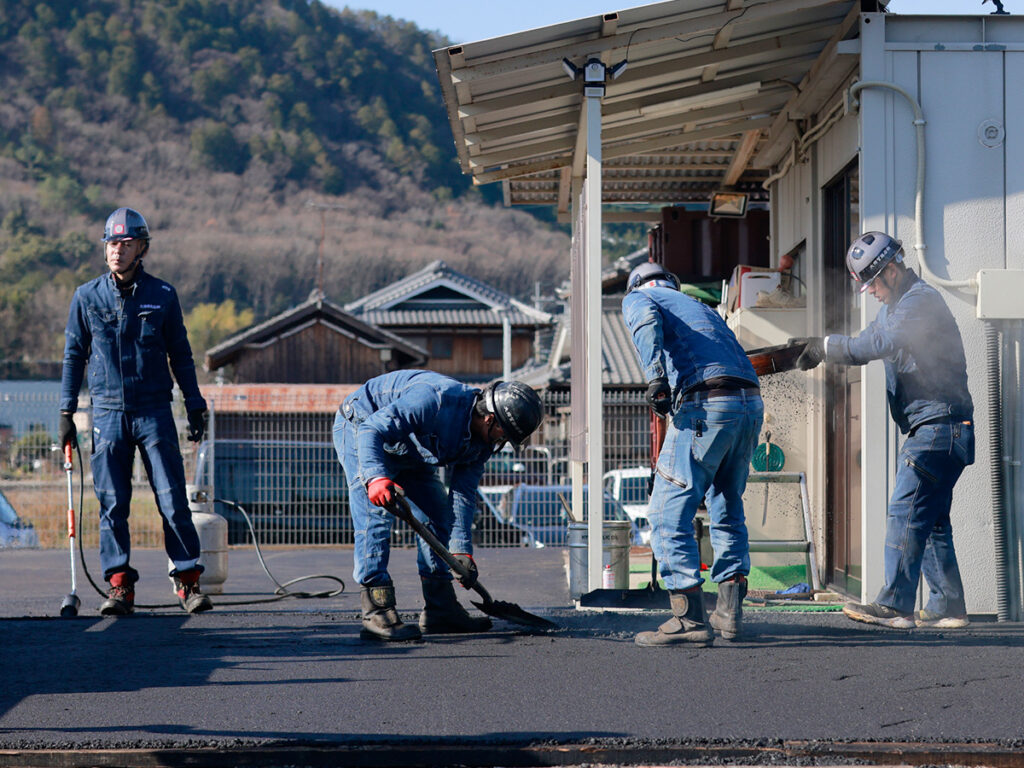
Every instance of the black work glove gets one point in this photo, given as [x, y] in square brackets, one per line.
[813, 354]
[466, 561]
[67, 431]
[196, 425]
[659, 396]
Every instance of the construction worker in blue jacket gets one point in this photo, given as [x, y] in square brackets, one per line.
[127, 325]
[926, 380]
[698, 376]
[392, 436]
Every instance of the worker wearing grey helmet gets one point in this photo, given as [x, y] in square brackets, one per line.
[392, 435]
[698, 376]
[926, 378]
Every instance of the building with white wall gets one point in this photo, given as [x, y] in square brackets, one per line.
[825, 103]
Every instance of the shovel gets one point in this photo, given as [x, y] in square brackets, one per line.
[497, 608]
[651, 597]
[69, 608]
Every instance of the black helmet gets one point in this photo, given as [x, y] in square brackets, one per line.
[125, 224]
[869, 254]
[516, 407]
[649, 271]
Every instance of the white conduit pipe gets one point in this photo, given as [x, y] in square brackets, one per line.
[919, 245]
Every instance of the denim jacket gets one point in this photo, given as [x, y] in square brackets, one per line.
[408, 419]
[925, 367]
[683, 339]
[127, 343]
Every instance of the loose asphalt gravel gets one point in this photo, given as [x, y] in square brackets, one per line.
[296, 671]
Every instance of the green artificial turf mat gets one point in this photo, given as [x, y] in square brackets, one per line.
[768, 578]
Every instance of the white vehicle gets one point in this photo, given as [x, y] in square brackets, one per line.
[630, 487]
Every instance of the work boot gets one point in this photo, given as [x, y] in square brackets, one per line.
[380, 618]
[873, 613]
[728, 615]
[926, 618]
[689, 622]
[186, 586]
[120, 597]
[443, 615]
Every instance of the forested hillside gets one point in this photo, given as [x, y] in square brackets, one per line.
[239, 128]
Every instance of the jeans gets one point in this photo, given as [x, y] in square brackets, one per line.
[918, 534]
[115, 436]
[372, 525]
[706, 456]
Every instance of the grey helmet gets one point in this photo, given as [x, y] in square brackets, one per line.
[125, 224]
[516, 407]
[648, 271]
[869, 254]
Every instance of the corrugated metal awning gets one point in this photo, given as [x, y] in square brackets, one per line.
[704, 83]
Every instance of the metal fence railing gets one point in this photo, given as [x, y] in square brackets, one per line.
[274, 457]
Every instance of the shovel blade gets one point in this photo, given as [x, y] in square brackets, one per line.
[69, 608]
[499, 609]
[634, 599]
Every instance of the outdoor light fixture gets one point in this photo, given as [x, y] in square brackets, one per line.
[594, 71]
[728, 204]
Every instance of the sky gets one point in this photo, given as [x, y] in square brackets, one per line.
[465, 21]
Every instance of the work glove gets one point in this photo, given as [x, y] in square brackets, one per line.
[659, 395]
[813, 354]
[467, 562]
[67, 431]
[196, 425]
[382, 491]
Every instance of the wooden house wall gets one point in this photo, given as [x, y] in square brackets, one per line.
[314, 355]
[467, 357]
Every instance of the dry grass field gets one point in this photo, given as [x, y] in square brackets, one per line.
[45, 506]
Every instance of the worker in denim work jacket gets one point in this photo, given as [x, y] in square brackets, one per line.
[926, 378]
[698, 376]
[392, 436]
[127, 326]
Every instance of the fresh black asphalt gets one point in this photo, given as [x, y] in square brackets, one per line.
[297, 672]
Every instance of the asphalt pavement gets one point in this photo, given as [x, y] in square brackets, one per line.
[295, 672]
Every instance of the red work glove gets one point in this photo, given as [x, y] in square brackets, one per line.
[382, 491]
[467, 562]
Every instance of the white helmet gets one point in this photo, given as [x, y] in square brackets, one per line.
[869, 254]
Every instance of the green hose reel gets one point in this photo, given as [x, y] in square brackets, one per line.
[768, 457]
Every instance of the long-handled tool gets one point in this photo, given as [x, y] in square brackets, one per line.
[69, 607]
[658, 429]
[651, 597]
[497, 608]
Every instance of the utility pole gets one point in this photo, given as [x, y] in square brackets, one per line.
[323, 208]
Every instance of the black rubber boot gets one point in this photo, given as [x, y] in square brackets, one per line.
[380, 618]
[728, 615]
[688, 625]
[443, 615]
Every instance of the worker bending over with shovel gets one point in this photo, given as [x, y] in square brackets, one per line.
[392, 436]
[926, 378]
[698, 376]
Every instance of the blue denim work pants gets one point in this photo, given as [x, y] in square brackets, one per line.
[372, 525]
[706, 456]
[115, 436]
[918, 534]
